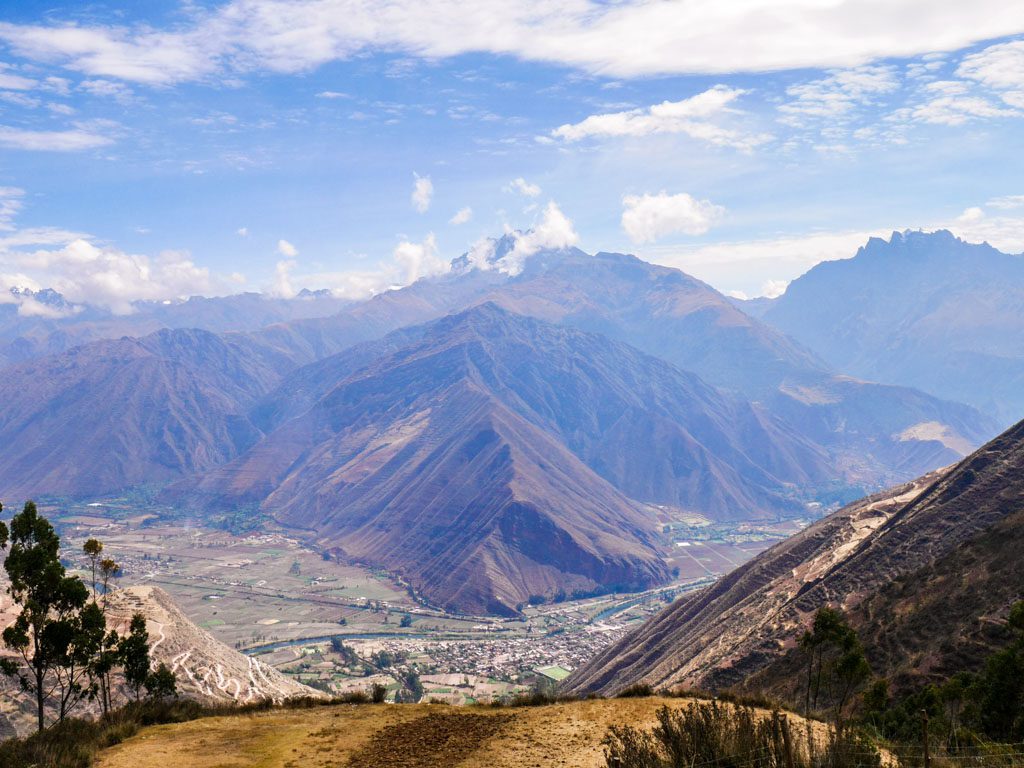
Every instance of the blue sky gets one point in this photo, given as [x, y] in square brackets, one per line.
[152, 150]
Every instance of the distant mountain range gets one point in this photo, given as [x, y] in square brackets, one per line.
[489, 457]
[491, 436]
[925, 310]
[38, 323]
[926, 572]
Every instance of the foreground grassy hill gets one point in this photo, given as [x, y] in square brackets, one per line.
[402, 736]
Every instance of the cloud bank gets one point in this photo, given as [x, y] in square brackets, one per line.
[626, 39]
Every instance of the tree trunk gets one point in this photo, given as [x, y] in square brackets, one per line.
[40, 700]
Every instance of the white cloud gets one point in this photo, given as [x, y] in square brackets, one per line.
[418, 260]
[108, 89]
[409, 262]
[990, 86]
[59, 85]
[52, 141]
[957, 110]
[554, 231]
[422, 192]
[10, 205]
[139, 55]
[647, 217]
[1003, 231]
[281, 287]
[461, 216]
[480, 254]
[30, 306]
[15, 82]
[623, 39]
[752, 267]
[333, 95]
[772, 289]
[21, 99]
[242, 231]
[838, 94]
[1007, 202]
[1000, 67]
[108, 277]
[695, 117]
[523, 187]
[286, 249]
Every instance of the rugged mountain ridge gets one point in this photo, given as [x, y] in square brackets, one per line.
[511, 448]
[120, 413]
[924, 310]
[35, 324]
[914, 568]
[874, 434]
[880, 434]
[278, 418]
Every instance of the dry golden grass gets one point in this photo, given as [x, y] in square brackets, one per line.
[399, 736]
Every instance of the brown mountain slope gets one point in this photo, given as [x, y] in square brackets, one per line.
[876, 434]
[474, 506]
[926, 572]
[119, 413]
[489, 457]
[606, 402]
[466, 459]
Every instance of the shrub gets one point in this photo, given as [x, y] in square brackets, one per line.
[635, 691]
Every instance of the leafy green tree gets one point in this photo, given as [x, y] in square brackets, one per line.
[836, 665]
[76, 679]
[108, 657]
[109, 569]
[999, 689]
[134, 655]
[406, 621]
[412, 687]
[161, 683]
[93, 548]
[44, 633]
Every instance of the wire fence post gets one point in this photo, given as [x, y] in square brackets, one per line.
[777, 740]
[787, 741]
[924, 738]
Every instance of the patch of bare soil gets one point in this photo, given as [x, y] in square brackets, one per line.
[429, 741]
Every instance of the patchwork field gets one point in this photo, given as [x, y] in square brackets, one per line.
[340, 627]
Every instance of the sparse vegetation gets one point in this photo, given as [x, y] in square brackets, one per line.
[635, 691]
[836, 666]
[63, 653]
[728, 735]
[968, 713]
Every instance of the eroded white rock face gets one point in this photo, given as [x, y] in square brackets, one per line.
[206, 668]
